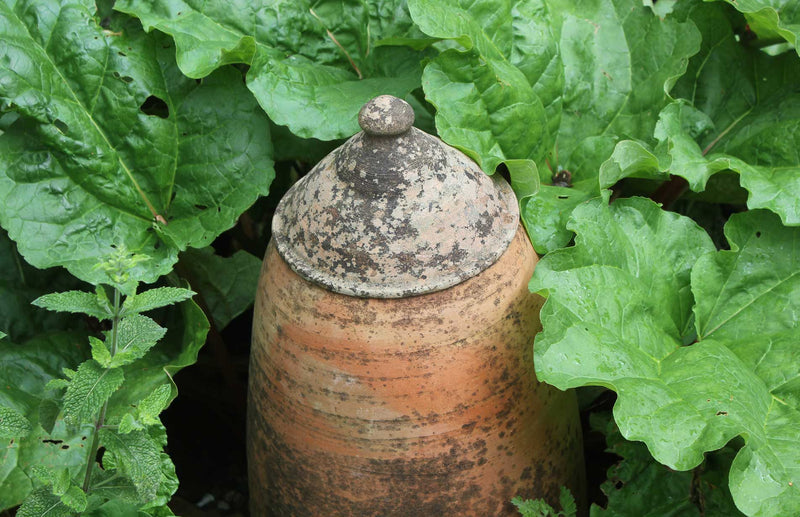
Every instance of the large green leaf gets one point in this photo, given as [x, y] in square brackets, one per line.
[739, 110]
[114, 147]
[24, 371]
[227, 284]
[639, 486]
[312, 64]
[620, 310]
[748, 300]
[491, 99]
[781, 17]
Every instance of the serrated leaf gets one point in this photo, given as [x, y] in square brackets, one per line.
[13, 424]
[75, 498]
[56, 384]
[136, 456]
[87, 174]
[91, 387]
[155, 298]
[61, 480]
[100, 352]
[136, 335]
[24, 371]
[225, 283]
[42, 503]
[312, 64]
[128, 424]
[74, 301]
[187, 327]
[152, 405]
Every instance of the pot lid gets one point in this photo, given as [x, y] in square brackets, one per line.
[394, 212]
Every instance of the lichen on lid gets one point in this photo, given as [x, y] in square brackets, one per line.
[394, 212]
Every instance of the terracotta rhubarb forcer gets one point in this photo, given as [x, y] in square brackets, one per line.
[391, 369]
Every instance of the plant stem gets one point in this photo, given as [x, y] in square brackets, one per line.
[87, 478]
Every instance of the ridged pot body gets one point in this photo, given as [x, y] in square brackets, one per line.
[420, 406]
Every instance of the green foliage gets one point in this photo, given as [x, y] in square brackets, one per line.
[638, 485]
[140, 165]
[539, 508]
[682, 401]
[112, 162]
[312, 64]
[225, 283]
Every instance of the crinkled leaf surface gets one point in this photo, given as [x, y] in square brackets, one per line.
[136, 334]
[75, 301]
[186, 327]
[13, 423]
[136, 456]
[24, 370]
[227, 284]
[739, 110]
[312, 64]
[684, 400]
[638, 485]
[155, 298]
[487, 105]
[88, 390]
[113, 142]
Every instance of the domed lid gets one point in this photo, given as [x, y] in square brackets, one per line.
[394, 212]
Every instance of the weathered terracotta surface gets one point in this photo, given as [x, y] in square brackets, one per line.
[394, 212]
[420, 406]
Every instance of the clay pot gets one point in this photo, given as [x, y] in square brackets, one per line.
[370, 396]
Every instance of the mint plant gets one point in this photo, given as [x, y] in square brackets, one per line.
[539, 508]
[132, 468]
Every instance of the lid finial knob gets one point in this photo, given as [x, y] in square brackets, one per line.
[386, 116]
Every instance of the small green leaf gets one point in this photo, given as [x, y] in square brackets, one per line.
[2, 335]
[100, 352]
[56, 384]
[75, 498]
[155, 298]
[74, 301]
[42, 503]
[61, 481]
[567, 501]
[136, 334]
[136, 456]
[152, 405]
[128, 424]
[91, 387]
[13, 424]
